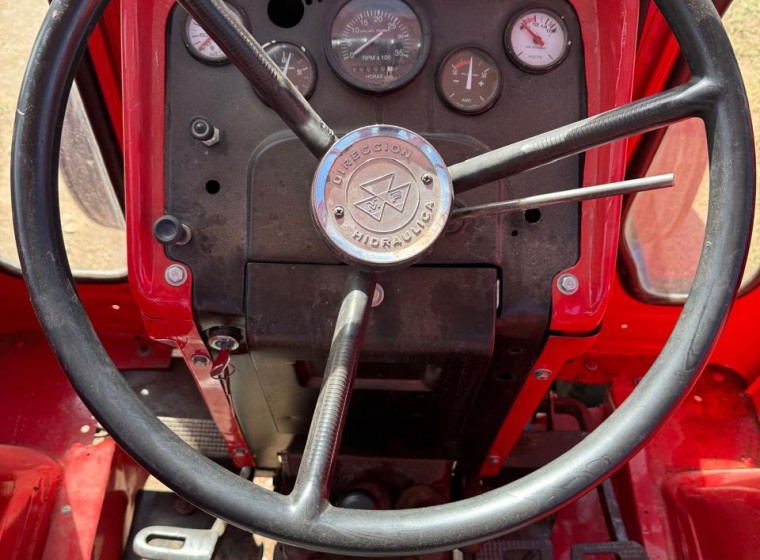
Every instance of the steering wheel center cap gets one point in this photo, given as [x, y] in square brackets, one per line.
[381, 197]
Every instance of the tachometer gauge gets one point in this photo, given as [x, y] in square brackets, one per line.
[469, 80]
[376, 45]
[537, 40]
[201, 45]
[296, 63]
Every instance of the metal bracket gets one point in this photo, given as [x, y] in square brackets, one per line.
[160, 542]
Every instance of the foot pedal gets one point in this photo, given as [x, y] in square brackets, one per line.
[527, 549]
[622, 550]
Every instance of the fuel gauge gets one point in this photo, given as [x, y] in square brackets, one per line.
[469, 80]
[296, 63]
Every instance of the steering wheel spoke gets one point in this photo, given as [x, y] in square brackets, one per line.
[265, 77]
[638, 117]
[312, 486]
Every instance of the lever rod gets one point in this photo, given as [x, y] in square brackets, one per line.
[562, 197]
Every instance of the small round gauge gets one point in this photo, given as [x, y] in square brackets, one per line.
[376, 45]
[201, 45]
[296, 63]
[469, 80]
[537, 40]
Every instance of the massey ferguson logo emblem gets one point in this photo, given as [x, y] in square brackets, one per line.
[382, 193]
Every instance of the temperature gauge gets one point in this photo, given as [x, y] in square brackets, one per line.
[201, 45]
[537, 40]
[469, 80]
[296, 63]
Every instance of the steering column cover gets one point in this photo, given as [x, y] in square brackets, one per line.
[53, 63]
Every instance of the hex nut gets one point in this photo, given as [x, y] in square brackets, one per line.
[568, 284]
[175, 275]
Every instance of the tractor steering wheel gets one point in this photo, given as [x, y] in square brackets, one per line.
[305, 518]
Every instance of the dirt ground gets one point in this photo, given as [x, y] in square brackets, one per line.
[91, 247]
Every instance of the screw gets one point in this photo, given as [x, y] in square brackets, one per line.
[568, 284]
[427, 179]
[338, 212]
[176, 275]
[542, 374]
[66, 510]
[494, 459]
[200, 360]
[378, 296]
[591, 365]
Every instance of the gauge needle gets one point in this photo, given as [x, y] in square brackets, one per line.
[368, 43]
[287, 64]
[204, 43]
[536, 38]
[469, 76]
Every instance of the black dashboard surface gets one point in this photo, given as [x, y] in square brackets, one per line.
[246, 198]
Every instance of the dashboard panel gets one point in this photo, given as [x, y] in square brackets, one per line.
[244, 192]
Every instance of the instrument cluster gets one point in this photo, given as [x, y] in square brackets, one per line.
[379, 46]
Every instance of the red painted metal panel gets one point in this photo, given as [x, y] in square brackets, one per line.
[29, 481]
[714, 514]
[609, 37]
[99, 486]
[167, 310]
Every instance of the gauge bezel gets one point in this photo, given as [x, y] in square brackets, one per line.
[439, 88]
[529, 67]
[361, 85]
[307, 55]
[200, 56]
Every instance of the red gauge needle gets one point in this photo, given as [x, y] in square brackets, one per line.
[204, 43]
[536, 38]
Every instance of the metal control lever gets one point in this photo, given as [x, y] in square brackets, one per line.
[161, 542]
[563, 197]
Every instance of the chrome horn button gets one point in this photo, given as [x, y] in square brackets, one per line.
[381, 197]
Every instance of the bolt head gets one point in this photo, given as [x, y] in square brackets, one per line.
[427, 179]
[542, 374]
[338, 212]
[66, 510]
[176, 275]
[494, 459]
[568, 284]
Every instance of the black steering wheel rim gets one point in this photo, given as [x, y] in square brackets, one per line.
[55, 57]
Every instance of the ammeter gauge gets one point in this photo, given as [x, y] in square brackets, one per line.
[469, 80]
